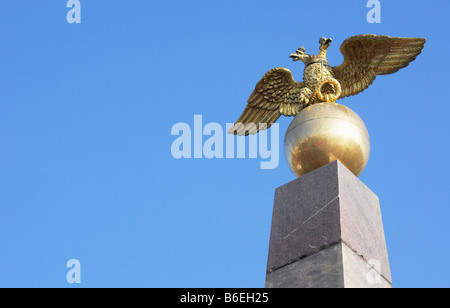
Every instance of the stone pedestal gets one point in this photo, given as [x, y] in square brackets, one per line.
[327, 232]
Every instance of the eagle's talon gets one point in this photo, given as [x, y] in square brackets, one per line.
[304, 101]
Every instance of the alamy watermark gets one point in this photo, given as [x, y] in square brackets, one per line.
[74, 14]
[374, 14]
[74, 274]
[220, 144]
[373, 275]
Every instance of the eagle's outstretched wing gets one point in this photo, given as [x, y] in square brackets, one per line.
[369, 55]
[276, 94]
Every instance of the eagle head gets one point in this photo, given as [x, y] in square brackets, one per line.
[300, 54]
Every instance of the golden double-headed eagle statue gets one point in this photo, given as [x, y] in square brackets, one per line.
[365, 57]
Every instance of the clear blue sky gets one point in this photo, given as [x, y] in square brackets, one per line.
[86, 112]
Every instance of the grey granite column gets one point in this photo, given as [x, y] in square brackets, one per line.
[327, 232]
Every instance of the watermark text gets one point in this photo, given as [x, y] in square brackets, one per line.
[74, 274]
[74, 14]
[229, 146]
[374, 14]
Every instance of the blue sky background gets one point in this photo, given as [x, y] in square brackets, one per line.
[86, 112]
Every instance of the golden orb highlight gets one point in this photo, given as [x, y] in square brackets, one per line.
[323, 133]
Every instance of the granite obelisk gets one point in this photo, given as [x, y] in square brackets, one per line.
[327, 232]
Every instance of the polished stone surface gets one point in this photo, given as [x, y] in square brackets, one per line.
[334, 267]
[323, 269]
[323, 208]
[359, 273]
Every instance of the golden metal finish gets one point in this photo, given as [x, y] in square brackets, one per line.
[365, 57]
[323, 133]
[322, 130]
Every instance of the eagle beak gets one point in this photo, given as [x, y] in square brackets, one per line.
[298, 54]
[294, 56]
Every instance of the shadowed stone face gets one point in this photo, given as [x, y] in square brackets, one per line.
[327, 207]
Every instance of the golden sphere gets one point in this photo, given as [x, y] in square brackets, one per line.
[323, 133]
